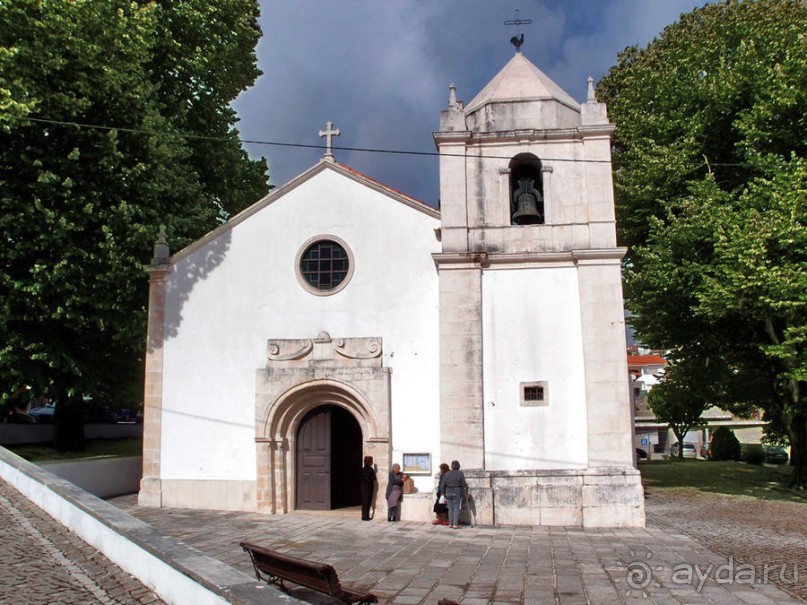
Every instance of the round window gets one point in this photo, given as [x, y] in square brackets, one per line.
[324, 265]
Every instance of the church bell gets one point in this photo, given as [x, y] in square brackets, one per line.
[527, 201]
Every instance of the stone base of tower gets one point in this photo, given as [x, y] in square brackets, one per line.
[601, 497]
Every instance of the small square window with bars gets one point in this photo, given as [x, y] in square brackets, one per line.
[534, 394]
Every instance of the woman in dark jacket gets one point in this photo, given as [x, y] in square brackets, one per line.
[441, 508]
[456, 489]
[395, 493]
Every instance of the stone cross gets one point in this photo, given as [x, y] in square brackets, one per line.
[329, 133]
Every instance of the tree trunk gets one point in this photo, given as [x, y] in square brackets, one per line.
[68, 423]
[798, 449]
[680, 436]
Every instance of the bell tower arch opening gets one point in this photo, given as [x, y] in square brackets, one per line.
[526, 190]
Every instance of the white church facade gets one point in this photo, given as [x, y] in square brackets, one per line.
[338, 318]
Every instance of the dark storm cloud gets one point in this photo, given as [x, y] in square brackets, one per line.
[380, 70]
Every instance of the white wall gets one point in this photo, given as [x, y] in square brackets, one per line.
[175, 572]
[531, 326]
[102, 477]
[217, 326]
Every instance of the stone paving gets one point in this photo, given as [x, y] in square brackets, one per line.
[698, 548]
[764, 534]
[413, 563]
[41, 562]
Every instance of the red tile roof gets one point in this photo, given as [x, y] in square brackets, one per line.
[646, 360]
[387, 187]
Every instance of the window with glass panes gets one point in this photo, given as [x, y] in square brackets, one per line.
[324, 265]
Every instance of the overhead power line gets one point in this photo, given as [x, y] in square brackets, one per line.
[199, 137]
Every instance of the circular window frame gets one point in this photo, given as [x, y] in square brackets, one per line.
[299, 259]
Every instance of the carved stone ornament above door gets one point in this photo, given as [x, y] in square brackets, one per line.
[323, 350]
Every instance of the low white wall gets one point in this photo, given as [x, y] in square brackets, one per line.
[104, 477]
[179, 574]
[12, 434]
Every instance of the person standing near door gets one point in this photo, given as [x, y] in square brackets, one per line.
[367, 487]
[394, 493]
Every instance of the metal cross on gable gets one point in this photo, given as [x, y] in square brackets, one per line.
[517, 21]
[329, 133]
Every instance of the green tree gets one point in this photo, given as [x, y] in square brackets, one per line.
[673, 406]
[681, 398]
[108, 107]
[725, 445]
[710, 182]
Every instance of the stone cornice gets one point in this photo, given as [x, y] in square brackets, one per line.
[517, 260]
[158, 273]
[596, 130]
[452, 136]
[460, 260]
[519, 136]
[477, 260]
[599, 257]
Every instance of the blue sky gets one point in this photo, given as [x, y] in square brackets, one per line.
[380, 71]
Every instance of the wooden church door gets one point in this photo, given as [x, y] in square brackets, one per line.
[314, 461]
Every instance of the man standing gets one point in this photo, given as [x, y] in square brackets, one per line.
[367, 487]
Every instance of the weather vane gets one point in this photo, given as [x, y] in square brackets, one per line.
[517, 41]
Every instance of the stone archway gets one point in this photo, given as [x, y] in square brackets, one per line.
[301, 376]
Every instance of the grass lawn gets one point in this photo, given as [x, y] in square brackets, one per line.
[97, 448]
[768, 482]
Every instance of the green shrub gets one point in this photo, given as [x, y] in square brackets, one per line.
[753, 454]
[725, 445]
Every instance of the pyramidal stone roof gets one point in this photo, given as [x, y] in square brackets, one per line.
[520, 80]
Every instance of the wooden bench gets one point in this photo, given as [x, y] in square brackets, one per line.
[274, 567]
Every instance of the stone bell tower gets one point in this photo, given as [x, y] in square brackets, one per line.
[534, 383]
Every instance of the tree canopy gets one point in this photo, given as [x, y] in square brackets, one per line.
[710, 182]
[114, 119]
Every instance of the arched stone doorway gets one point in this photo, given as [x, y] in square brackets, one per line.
[278, 433]
[328, 458]
[301, 376]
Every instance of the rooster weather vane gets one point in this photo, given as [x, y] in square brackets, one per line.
[517, 41]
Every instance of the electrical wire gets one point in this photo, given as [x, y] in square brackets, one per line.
[198, 137]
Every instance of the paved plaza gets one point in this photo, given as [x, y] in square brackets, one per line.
[760, 533]
[698, 548]
[415, 563]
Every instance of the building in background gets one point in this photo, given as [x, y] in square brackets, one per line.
[654, 438]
